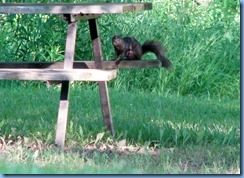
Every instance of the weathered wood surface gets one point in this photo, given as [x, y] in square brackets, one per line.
[62, 123]
[84, 64]
[58, 74]
[102, 85]
[77, 17]
[70, 45]
[72, 8]
[65, 85]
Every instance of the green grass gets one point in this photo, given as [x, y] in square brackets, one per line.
[161, 134]
[190, 160]
[186, 120]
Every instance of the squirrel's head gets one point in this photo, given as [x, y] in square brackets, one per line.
[117, 40]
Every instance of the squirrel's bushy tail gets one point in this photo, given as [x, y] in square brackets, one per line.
[158, 50]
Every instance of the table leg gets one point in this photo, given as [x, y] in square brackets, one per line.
[103, 89]
[64, 97]
[62, 115]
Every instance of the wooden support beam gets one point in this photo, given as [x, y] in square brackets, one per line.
[84, 64]
[62, 115]
[103, 88]
[58, 74]
[86, 17]
[64, 97]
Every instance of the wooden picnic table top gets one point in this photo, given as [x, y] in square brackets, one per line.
[72, 8]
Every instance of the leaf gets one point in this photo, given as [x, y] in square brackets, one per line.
[71, 126]
[200, 135]
[13, 130]
[122, 143]
[80, 131]
[117, 31]
[36, 154]
[99, 136]
[2, 123]
[26, 140]
[231, 135]
[49, 137]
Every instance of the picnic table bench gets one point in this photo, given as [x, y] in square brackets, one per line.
[69, 69]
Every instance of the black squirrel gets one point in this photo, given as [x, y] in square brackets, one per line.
[128, 48]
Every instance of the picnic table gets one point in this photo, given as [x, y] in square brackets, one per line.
[69, 69]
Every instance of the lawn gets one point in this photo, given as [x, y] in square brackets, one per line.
[154, 134]
[180, 121]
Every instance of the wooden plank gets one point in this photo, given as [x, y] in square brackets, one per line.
[65, 85]
[62, 123]
[72, 8]
[103, 88]
[137, 64]
[70, 45]
[58, 74]
[85, 16]
[84, 64]
[32, 65]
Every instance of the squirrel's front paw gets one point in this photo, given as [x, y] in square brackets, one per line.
[117, 62]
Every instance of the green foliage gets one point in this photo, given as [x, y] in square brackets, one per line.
[202, 41]
[138, 118]
[196, 134]
[154, 134]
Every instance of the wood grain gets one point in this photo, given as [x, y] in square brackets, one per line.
[62, 123]
[102, 85]
[58, 74]
[84, 64]
[72, 8]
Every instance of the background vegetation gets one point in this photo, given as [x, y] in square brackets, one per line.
[185, 120]
[203, 43]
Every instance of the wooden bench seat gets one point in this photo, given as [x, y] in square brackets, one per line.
[84, 64]
[58, 74]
